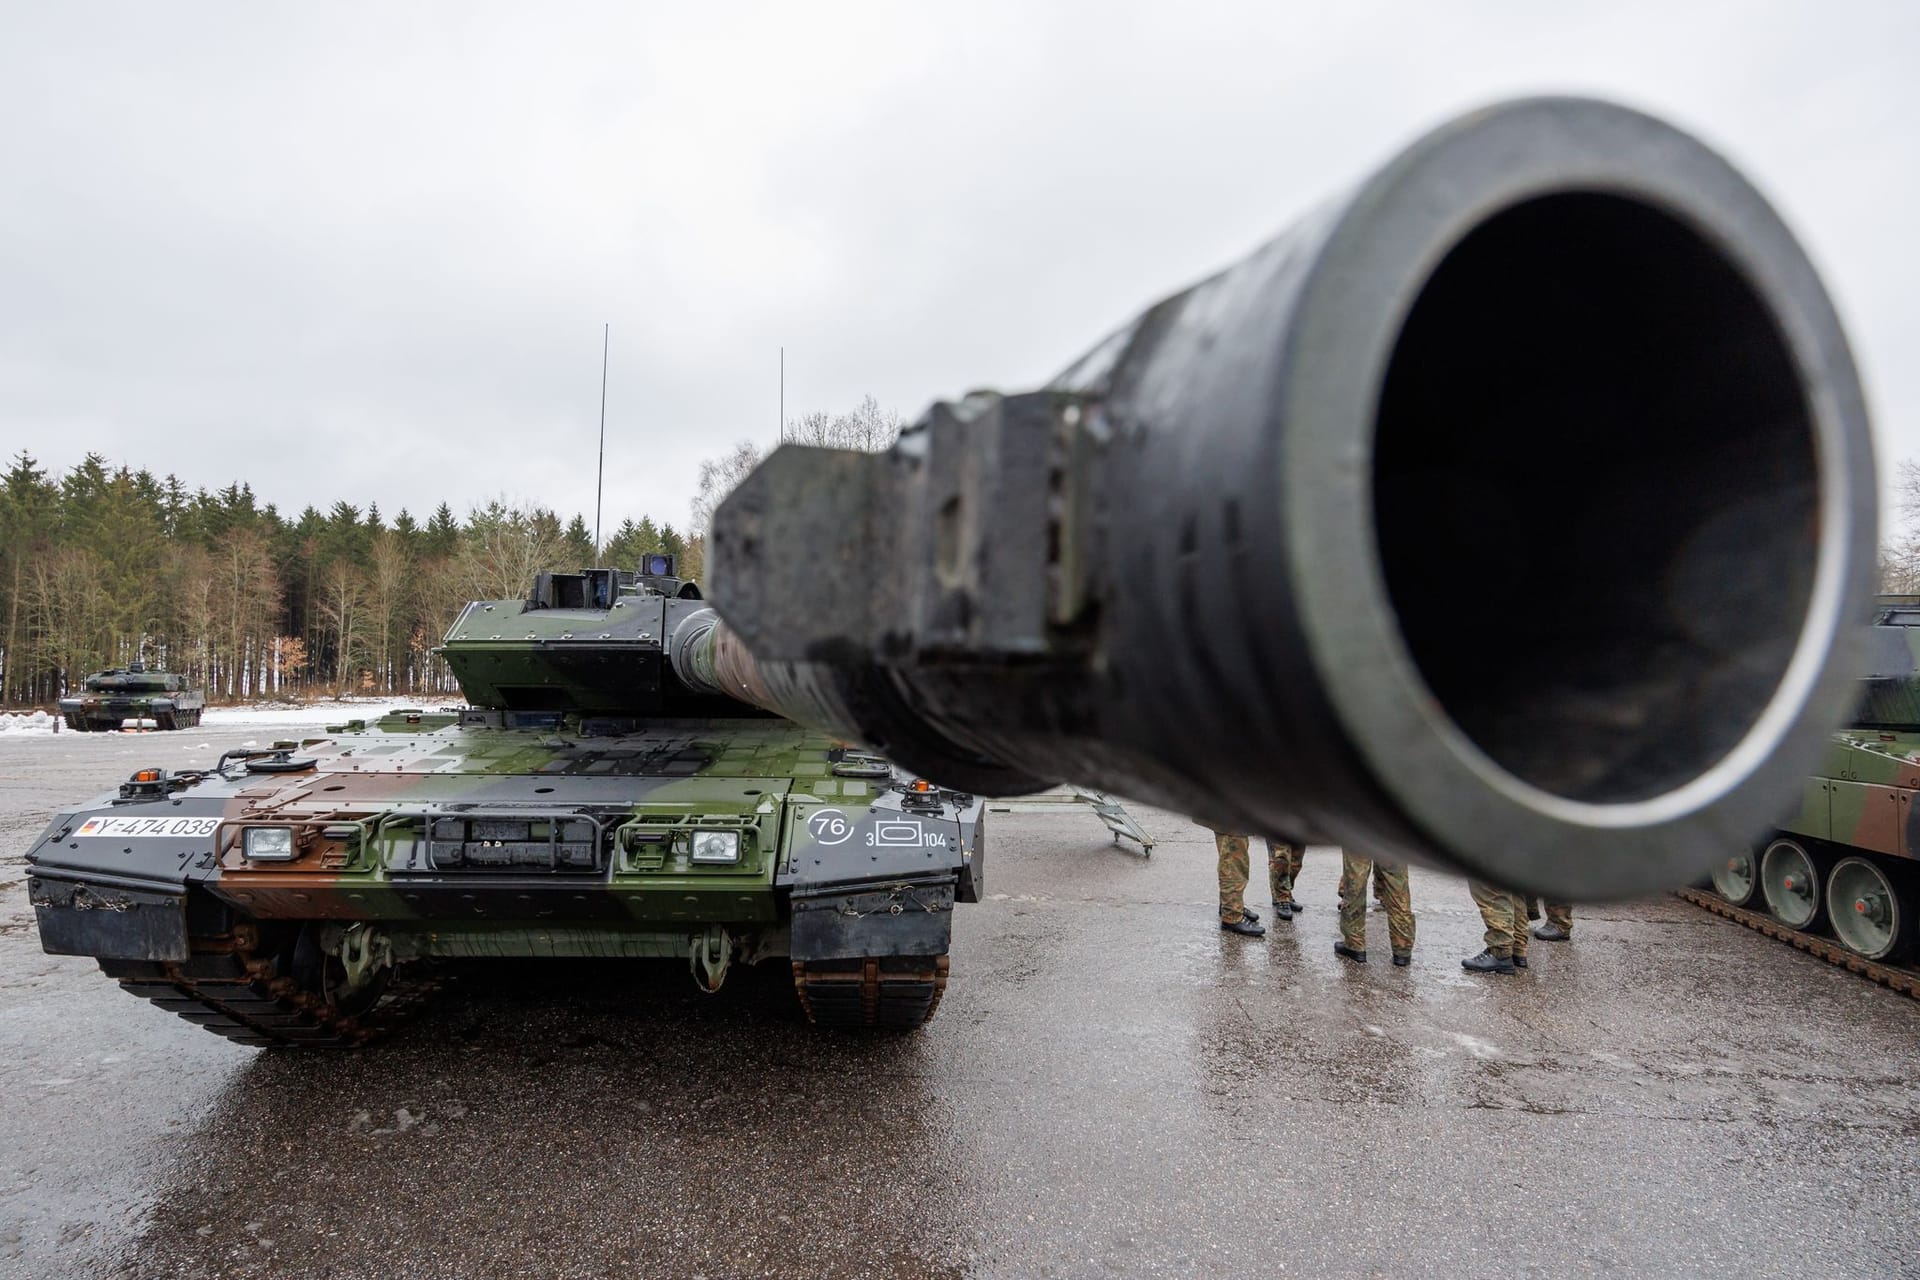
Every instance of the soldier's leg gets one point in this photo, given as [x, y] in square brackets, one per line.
[1559, 923]
[1354, 874]
[1390, 880]
[1504, 914]
[1283, 864]
[1233, 875]
[1496, 912]
[1521, 930]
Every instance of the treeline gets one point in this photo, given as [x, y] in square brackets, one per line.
[105, 566]
[1900, 555]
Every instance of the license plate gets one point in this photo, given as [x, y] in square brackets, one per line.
[134, 828]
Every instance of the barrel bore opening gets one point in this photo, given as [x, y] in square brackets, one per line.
[1595, 496]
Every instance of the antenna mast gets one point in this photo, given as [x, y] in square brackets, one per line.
[600, 475]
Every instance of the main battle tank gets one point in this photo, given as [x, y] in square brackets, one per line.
[111, 698]
[1514, 512]
[590, 803]
[1847, 860]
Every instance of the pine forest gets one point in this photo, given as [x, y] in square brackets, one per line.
[105, 566]
[108, 565]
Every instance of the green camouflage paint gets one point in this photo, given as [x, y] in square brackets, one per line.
[132, 693]
[590, 805]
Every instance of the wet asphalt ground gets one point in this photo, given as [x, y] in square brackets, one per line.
[1112, 1087]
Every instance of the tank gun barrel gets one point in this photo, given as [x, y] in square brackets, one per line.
[1513, 512]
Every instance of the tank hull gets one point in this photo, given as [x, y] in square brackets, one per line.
[1844, 863]
[422, 838]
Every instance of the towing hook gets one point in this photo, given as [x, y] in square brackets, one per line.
[710, 954]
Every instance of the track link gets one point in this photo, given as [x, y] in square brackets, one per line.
[1905, 981]
[232, 992]
[899, 992]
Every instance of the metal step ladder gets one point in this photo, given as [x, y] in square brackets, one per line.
[1109, 810]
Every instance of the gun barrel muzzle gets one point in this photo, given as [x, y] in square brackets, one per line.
[1513, 512]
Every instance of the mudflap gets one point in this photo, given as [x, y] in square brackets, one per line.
[909, 918]
[109, 921]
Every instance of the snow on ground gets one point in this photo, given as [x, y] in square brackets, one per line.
[331, 711]
[26, 722]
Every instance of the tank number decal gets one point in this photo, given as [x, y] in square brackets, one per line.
[896, 834]
[120, 828]
[829, 826]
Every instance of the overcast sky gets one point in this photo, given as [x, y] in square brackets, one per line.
[366, 251]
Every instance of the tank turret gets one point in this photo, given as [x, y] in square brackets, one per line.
[590, 643]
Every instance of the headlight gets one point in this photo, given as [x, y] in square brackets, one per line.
[716, 846]
[267, 844]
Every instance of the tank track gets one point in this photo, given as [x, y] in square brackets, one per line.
[898, 992]
[227, 989]
[1905, 981]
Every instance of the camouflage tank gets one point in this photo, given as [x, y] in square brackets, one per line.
[1513, 513]
[592, 802]
[1848, 859]
[113, 697]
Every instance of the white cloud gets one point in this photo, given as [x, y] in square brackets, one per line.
[354, 252]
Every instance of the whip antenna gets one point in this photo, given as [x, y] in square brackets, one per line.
[600, 474]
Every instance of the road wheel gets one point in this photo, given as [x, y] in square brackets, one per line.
[1872, 912]
[1791, 880]
[1737, 879]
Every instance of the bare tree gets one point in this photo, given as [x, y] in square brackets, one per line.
[718, 476]
[246, 603]
[1900, 555]
[65, 593]
[868, 427]
[190, 586]
[503, 549]
[342, 612]
[390, 571]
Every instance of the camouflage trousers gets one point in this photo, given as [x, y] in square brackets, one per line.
[1283, 864]
[1390, 882]
[1560, 915]
[1505, 915]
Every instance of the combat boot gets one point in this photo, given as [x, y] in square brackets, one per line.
[1356, 954]
[1519, 961]
[1552, 933]
[1487, 962]
[1283, 911]
[1245, 927]
[1403, 958]
[1250, 915]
